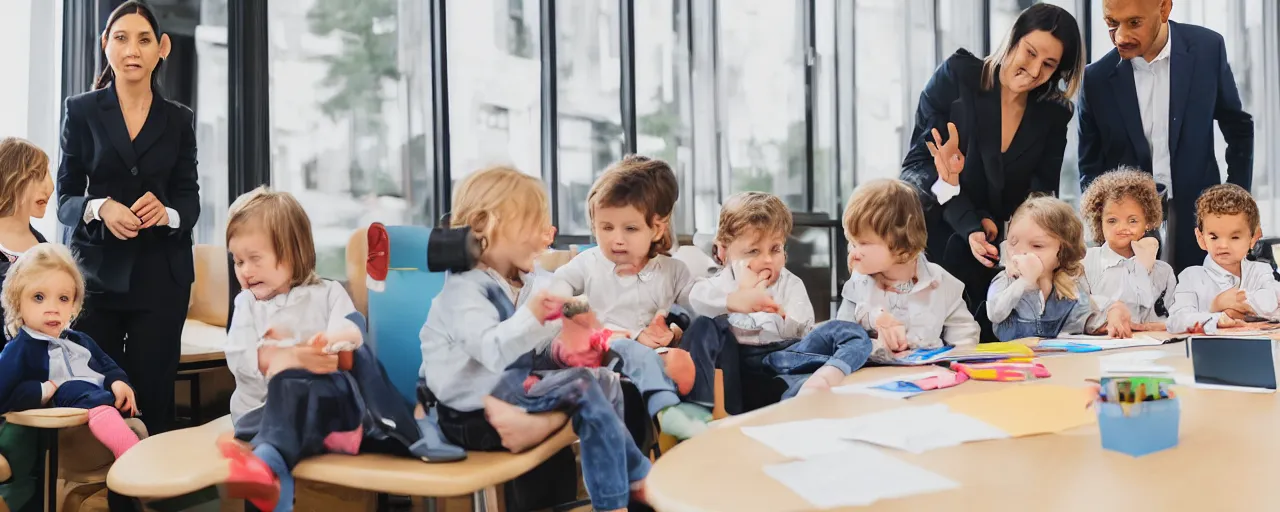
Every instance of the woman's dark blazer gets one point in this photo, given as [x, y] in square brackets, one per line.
[99, 161]
[992, 184]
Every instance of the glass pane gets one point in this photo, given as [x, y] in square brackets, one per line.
[826, 112]
[494, 92]
[896, 56]
[1099, 37]
[210, 106]
[588, 89]
[761, 79]
[348, 129]
[663, 88]
[960, 26]
[30, 100]
[846, 103]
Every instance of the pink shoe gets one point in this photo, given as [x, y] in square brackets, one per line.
[250, 479]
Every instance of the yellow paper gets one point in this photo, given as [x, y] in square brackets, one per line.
[1028, 409]
[1004, 347]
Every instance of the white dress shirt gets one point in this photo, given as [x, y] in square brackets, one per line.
[465, 344]
[625, 303]
[1151, 80]
[1110, 277]
[1198, 286]
[710, 296]
[91, 213]
[306, 309]
[934, 311]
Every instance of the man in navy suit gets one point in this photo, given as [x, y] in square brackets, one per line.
[1151, 103]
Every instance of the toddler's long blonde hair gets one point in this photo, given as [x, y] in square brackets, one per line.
[498, 202]
[1059, 220]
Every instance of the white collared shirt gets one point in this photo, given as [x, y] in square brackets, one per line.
[1110, 277]
[68, 360]
[625, 303]
[466, 345]
[1198, 286]
[934, 311]
[306, 309]
[1151, 80]
[709, 297]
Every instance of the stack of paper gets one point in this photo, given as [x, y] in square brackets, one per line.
[1138, 362]
[920, 429]
[877, 388]
[856, 478]
[978, 352]
[1107, 343]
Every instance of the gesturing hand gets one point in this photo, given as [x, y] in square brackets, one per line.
[947, 158]
[982, 250]
[119, 220]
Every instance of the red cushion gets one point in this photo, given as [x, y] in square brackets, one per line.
[379, 252]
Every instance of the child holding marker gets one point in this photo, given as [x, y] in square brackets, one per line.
[1122, 274]
[1039, 294]
[1228, 287]
[893, 291]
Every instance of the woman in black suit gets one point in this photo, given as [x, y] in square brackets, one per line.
[989, 132]
[128, 192]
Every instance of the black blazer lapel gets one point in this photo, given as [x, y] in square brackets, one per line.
[113, 121]
[988, 114]
[1030, 131]
[1126, 96]
[1181, 65]
[153, 128]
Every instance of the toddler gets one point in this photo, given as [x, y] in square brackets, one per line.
[46, 363]
[1039, 293]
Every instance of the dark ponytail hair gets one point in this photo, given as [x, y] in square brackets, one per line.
[131, 7]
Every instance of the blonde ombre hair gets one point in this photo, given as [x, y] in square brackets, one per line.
[1059, 220]
[890, 210]
[280, 216]
[22, 164]
[1065, 80]
[498, 202]
[30, 267]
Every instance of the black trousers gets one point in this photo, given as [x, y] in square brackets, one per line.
[142, 331]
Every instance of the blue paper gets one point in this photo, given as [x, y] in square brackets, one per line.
[900, 386]
[1069, 346]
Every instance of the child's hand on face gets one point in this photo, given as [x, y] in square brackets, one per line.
[1145, 251]
[125, 401]
[747, 278]
[658, 334]
[891, 332]
[1119, 321]
[1029, 266]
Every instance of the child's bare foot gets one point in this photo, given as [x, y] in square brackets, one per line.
[823, 379]
[520, 430]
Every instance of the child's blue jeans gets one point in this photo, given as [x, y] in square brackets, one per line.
[593, 398]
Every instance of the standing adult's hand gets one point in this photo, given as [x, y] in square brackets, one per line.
[947, 157]
[150, 211]
[982, 250]
[119, 220]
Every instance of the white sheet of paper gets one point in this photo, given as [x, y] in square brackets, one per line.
[1141, 361]
[804, 439]
[868, 388]
[856, 478]
[920, 429]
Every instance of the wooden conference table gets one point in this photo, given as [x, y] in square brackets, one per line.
[1228, 456]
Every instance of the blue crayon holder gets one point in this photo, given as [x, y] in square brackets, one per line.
[1148, 428]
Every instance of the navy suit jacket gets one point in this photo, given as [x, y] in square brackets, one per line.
[1202, 90]
[99, 160]
[24, 366]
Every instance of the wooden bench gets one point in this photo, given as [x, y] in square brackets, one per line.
[204, 335]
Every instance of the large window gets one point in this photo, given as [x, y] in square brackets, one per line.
[663, 91]
[350, 97]
[588, 90]
[29, 98]
[495, 106]
[762, 105]
[208, 45]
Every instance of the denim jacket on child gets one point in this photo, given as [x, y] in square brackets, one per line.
[1018, 310]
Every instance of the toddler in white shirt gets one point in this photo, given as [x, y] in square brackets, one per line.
[1122, 275]
[893, 291]
[1227, 288]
